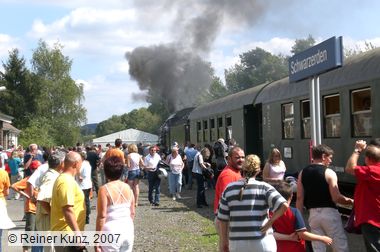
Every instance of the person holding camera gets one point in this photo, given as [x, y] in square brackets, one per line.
[198, 168]
[30, 156]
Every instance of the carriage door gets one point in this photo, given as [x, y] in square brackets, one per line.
[253, 130]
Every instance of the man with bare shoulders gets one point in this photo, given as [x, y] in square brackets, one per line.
[317, 190]
[230, 173]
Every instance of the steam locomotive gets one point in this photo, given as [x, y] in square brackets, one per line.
[277, 114]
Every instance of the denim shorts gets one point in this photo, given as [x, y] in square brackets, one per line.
[133, 174]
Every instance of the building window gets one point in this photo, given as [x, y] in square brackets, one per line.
[306, 120]
[361, 112]
[332, 115]
[287, 120]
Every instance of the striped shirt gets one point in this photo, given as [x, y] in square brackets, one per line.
[246, 217]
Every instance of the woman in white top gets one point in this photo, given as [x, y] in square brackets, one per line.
[174, 160]
[134, 162]
[198, 167]
[274, 169]
[116, 209]
[85, 183]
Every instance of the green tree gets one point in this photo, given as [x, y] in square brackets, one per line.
[142, 119]
[256, 67]
[19, 100]
[216, 90]
[59, 98]
[109, 126]
[302, 44]
[38, 131]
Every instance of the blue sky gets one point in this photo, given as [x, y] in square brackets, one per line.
[96, 35]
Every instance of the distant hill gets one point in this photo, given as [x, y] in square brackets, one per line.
[88, 129]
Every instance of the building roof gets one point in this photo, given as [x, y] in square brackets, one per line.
[9, 127]
[5, 118]
[128, 136]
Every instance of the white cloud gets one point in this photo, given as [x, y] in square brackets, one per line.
[7, 43]
[274, 45]
[71, 3]
[352, 44]
[98, 32]
[107, 96]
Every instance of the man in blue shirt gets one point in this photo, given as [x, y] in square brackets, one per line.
[190, 153]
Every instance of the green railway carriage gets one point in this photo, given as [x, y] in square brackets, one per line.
[277, 114]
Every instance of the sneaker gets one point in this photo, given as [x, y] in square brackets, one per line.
[156, 204]
[178, 196]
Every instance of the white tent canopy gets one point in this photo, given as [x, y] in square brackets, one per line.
[128, 136]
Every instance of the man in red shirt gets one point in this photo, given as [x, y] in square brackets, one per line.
[230, 173]
[367, 192]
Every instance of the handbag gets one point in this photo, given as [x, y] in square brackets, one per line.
[350, 224]
[141, 174]
[208, 173]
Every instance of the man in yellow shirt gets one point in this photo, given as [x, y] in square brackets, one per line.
[68, 211]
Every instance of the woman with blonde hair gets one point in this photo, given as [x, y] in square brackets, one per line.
[244, 209]
[174, 160]
[134, 162]
[274, 169]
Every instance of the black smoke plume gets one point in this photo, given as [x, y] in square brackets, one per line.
[169, 72]
[176, 71]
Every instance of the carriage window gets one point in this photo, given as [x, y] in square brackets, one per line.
[332, 116]
[361, 112]
[306, 124]
[205, 126]
[287, 120]
[212, 123]
[220, 128]
[205, 130]
[220, 122]
[228, 128]
[213, 130]
[199, 126]
[199, 132]
[228, 121]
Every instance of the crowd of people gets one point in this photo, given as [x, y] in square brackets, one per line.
[251, 214]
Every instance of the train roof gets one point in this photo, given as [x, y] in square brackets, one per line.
[356, 69]
[179, 117]
[227, 103]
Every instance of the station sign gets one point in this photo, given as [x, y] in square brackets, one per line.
[317, 59]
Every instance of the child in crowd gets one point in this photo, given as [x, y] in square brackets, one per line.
[29, 203]
[290, 230]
